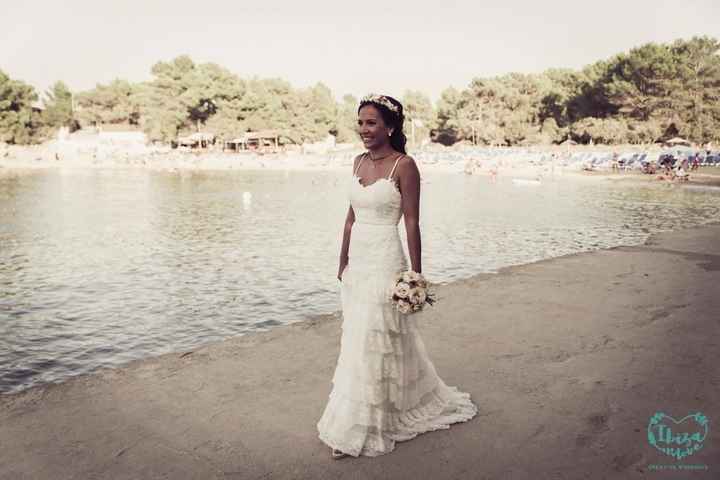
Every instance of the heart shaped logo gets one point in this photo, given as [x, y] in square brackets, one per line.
[677, 438]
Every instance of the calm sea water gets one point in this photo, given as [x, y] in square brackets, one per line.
[100, 267]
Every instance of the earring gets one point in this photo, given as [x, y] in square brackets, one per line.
[390, 134]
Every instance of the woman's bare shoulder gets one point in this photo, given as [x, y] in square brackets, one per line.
[357, 161]
[407, 164]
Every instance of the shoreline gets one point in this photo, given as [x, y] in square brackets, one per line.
[703, 179]
[336, 314]
[585, 382]
[72, 156]
[320, 163]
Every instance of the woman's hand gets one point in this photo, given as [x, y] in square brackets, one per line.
[341, 270]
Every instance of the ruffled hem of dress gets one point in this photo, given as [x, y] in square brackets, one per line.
[375, 290]
[383, 366]
[400, 376]
[389, 392]
[374, 435]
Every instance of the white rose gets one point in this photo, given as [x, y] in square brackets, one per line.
[402, 290]
[416, 296]
[403, 306]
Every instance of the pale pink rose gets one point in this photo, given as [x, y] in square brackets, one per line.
[402, 290]
[414, 296]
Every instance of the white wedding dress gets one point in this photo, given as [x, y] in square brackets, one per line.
[385, 388]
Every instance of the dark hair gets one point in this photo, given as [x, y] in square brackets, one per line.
[391, 119]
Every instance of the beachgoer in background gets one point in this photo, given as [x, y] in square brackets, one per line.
[696, 162]
[668, 163]
[681, 174]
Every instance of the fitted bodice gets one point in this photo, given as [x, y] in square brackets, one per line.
[377, 203]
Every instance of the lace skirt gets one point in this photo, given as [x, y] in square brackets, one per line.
[385, 387]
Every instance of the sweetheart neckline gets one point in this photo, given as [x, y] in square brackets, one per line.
[395, 187]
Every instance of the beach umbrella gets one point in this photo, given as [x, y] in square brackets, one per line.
[677, 141]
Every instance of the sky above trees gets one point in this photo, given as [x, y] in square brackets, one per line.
[352, 47]
[650, 93]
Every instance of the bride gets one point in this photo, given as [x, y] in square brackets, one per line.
[385, 387]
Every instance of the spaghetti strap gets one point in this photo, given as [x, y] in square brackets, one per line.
[358, 167]
[393, 169]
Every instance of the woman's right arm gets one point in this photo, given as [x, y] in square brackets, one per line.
[347, 231]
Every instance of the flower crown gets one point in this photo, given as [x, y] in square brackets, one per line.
[381, 100]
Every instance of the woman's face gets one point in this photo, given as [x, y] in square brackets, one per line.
[372, 128]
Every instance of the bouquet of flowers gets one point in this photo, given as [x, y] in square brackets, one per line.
[410, 293]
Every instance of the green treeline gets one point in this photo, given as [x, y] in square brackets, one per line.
[649, 93]
[637, 97]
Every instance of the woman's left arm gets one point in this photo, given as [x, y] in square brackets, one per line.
[410, 188]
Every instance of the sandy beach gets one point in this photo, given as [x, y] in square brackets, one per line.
[566, 368]
[705, 178]
[69, 156]
[186, 165]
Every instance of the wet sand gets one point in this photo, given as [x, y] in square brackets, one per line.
[566, 358]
